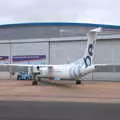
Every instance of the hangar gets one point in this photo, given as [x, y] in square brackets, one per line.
[61, 43]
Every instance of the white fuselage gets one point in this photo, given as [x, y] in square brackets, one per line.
[66, 71]
[59, 71]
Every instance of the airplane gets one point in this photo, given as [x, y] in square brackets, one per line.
[72, 71]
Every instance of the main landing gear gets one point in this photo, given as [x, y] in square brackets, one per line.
[35, 80]
[78, 82]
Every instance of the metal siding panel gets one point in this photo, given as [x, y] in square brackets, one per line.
[103, 52]
[73, 50]
[61, 52]
[31, 49]
[107, 51]
[107, 76]
[116, 51]
[40, 32]
[44, 31]
[4, 49]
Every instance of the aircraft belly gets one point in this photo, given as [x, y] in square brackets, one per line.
[61, 73]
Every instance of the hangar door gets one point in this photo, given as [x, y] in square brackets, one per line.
[62, 52]
[24, 49]
[107, 51]
[4, 53]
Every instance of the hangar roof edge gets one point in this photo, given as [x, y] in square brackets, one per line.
[60, 24]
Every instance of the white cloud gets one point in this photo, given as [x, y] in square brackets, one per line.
[103, 11]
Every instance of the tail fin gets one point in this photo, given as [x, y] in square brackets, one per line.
[89, 52]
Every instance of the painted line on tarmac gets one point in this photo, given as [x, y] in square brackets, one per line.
[61, 96]
[85, 100]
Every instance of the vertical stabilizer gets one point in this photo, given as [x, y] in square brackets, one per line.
[90, 49]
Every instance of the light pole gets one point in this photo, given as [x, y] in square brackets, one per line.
[10, 59]
[49, 52]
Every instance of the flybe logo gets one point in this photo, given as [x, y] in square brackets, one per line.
[87, 58]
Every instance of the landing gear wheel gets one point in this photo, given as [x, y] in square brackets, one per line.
[78, 82]
[39, 79]
[34, 83]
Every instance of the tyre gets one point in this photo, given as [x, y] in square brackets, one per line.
[78, 82]
[18, 78]
[34, 83]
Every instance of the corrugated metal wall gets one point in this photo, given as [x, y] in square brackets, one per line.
[60, 52]
[30, 48]
[107, 51]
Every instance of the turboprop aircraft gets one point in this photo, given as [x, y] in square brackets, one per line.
[75, 70]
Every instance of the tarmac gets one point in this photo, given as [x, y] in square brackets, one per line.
[59, 100]
[29, 110]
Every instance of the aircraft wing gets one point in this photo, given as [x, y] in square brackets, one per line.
[19, 67]
[24, 67]
[107, 67]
